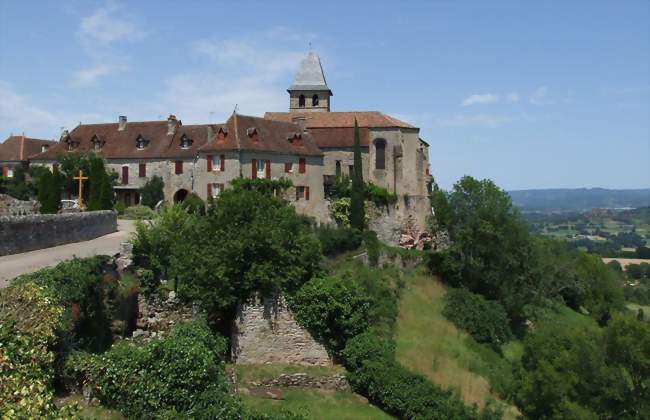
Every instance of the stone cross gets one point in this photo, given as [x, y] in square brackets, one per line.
[81, 178]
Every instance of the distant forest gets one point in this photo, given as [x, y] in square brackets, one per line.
[578, 200]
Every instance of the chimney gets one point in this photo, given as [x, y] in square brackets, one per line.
[65, 135]
[210, 132]
[121, 123]
[172, 125]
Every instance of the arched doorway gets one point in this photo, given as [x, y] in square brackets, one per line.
[180, 195]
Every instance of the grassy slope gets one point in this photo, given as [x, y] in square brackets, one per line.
[316, 404]
[429, 344]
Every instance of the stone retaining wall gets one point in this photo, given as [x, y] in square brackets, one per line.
[303, 380]
[27, 233]
[265, 331]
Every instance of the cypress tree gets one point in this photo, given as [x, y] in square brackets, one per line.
[106, 195]
[95, 181]
[49, 192]
[357, 213]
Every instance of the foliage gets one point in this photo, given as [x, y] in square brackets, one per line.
[148, 281]
[374, 373]
[334, 309]
[95, 179]
[340, 211]
[379, 195]
[336, 240]
[120, 208]
[486, 321]
[373, 246]
[138, 212]
[181, 375]
[603, 294]
[357, 211]
[49, 192]
[193, 204]
[28, 324]
[585, 372]
[151, 193]
[265, 186]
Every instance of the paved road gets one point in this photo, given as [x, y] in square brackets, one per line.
[14, 265]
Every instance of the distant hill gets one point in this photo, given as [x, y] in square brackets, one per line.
[579, 199]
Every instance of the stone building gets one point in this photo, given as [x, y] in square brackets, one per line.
[309, 145]
[16, 150]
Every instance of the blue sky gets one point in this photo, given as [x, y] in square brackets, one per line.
[529, 94]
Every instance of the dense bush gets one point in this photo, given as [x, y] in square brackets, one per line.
[335, 240]
[193, 204]
[375, 374]
[379, 195]
[486, 321]
[585, 372]
[334, 309]
[138, 213]
[151, 193]
[178, 376]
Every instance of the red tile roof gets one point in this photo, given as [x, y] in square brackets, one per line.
[121, 144]
[338, 137]
[368, 119]
[263, 135]
[19, 148]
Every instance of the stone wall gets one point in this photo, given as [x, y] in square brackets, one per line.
[303, 380]
[265, 331]
[10, 206]
[27, 233]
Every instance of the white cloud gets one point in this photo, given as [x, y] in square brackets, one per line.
[252, 73]
[512, 97]
[540, 96]
[481, 99]
[98, 34]
[19, 114]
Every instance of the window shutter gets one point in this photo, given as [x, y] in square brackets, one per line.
[267, 169]
[306, 193]
[179, 167]
[209, 160]
[301, 165]
[125, 175]
[221, 187]
[287, 167]
[254, 168]
[209, 190]
[223, 162]
[142, 169]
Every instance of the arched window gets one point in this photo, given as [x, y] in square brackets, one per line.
[301, 101]
[314, 100]
[380, 154]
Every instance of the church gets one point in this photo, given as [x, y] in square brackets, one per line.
[309, 144]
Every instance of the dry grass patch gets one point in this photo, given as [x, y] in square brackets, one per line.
[429, 344]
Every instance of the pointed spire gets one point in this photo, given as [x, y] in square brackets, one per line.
[310, 75]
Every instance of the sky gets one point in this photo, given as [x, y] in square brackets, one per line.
[528, 94]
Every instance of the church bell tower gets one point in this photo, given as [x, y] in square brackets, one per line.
[309, 91]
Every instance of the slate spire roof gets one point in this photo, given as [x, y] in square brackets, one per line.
[310, 75]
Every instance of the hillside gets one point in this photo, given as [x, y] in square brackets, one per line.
[579, 199]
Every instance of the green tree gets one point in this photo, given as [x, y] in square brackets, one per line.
[151, 193]
[95, 179]
[357, 193]
[106, 194]
[49, 192]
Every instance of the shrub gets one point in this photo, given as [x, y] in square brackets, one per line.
[379, 195]
[148, 281]
[151, 193]
[486, 321]
[181, 375]
[138, 213]
[334, 309]
[193, 204]
[373, 246]
[335, 240]
[120, 208]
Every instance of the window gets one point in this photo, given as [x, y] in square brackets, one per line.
[288, 167]
[125, 175]
[264, 169]
[301, 101]
[380, 154]
[140, 143]
[302, 193]
[10, 172]
[209, 162]
[222, 163]
[186, 142]
[179, 167]
[215, 189]
[314, 100]
[338, 169]
[302, 165]
[142, 170]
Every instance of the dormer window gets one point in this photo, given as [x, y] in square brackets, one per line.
[221, 135]
[72, 144]
[98, 143]
[141, 142]
[44, 148]
[295, 139]
[186, 142]
[252, 134]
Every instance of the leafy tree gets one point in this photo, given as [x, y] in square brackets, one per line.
[357, 211]
[151, 192]
[193, 204]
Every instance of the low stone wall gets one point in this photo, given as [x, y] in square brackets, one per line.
[303, 380]
[265, 331]
[27, 233]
